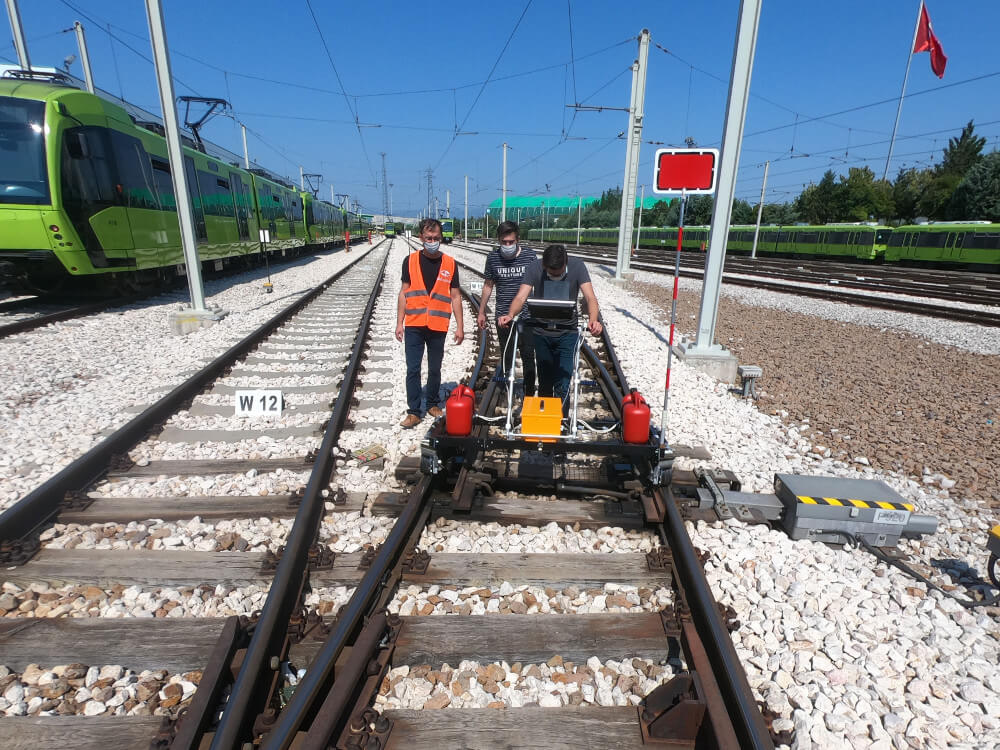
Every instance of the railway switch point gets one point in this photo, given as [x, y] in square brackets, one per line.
[187, 320]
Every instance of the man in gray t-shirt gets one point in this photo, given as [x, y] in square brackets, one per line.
[557, 277]
[505, 267]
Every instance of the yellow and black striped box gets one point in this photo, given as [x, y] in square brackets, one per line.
[833, 509]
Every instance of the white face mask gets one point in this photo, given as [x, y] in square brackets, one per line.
[432, 248]
[509, 251]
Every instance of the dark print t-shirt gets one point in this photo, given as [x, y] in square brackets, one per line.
[506, 275]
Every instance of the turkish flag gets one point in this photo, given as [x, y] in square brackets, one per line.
[927, 42]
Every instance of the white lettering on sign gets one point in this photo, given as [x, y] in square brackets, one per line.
[476, 287]
[259, 403]
[892, 517]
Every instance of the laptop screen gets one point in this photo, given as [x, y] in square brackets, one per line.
[551, 309]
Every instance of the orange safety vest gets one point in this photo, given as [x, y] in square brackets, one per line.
[429, 310]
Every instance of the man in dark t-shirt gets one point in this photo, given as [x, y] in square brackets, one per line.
[428, 297]
[505, 266]
[557, 277]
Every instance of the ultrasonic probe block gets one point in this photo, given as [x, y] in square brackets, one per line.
[824, 509]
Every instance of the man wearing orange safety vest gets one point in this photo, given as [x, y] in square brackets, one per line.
[427, 298]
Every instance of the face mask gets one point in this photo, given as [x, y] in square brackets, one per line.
[560, 277]
[432, 248]
[508, 251]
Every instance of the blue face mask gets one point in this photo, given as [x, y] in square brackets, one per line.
[432, 248]
[560, 277]
[508, 251]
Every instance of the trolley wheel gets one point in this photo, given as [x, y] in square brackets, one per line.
[994, 570]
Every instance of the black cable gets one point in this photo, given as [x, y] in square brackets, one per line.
[485, 83]
[880, 555]
[353, 111]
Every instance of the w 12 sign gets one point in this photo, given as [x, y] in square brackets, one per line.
[258, 403]
[686, 170]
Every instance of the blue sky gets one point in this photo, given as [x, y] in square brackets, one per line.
[417, 70]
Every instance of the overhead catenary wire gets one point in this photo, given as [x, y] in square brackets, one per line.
[485, 83]
[340, 83]
[106, 28]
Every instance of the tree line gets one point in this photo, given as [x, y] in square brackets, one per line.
[964, 186]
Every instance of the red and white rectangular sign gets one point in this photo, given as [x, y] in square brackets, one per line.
[690, 170]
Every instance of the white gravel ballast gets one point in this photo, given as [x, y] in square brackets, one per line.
[68, 384]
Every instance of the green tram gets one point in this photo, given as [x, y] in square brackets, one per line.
[967, 244]
[862, 241]
[973, 245]
[86, 191]
[390, 229]
[447, 230]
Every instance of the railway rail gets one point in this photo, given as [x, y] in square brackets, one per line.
[791, 279]
[26, 314]
[338, 313]
[706, 702]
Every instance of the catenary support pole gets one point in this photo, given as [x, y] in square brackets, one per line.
[164, 77]
[760, 210]
[18, 31]
[638, 231]
[736, 107]
[503, 194]
[246, 151]
[633, 140]
[579, 215]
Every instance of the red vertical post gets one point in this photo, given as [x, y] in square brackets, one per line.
[673, 320]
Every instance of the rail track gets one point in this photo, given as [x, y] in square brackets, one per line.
[834, 282]
[685, 670]
[338, 314]
[23, 315]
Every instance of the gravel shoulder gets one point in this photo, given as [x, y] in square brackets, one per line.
[873, 391]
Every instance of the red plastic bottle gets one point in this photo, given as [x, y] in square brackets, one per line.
[635, 418]
[459, 410]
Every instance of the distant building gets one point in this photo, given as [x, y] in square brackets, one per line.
[520, 207]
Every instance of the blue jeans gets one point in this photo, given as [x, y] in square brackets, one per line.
[415, 339]
[555, 363]
[525, 347]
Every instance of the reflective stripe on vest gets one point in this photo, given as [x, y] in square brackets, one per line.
[429, 310]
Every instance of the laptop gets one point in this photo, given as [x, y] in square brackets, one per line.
[552, 310]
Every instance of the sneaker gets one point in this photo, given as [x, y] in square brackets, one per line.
[436, 411]
[410, 420]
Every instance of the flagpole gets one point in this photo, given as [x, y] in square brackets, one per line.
[902, 93]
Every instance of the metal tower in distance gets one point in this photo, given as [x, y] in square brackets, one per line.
[385, 193]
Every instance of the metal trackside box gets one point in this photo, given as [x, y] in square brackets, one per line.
[817, 508]
[541, 416]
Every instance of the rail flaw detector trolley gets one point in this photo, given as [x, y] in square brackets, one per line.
[519, 442]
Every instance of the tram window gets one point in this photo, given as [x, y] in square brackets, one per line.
[197, 199]
[164, 185]
[135, 174]
[87, 176]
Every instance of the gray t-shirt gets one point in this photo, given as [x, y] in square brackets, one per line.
[566, 288]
